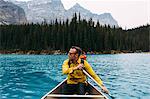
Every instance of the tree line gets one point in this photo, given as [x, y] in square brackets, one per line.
[61, 35]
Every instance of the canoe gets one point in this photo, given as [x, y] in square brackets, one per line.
[56, 93]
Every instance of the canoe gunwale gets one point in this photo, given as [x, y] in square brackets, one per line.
[54, 88]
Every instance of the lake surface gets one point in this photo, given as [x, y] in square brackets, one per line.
[127, 76]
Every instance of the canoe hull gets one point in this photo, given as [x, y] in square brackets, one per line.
[57, 93]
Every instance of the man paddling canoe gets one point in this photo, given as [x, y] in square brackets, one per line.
[76, 80]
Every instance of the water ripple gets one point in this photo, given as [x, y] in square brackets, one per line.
[127, 76]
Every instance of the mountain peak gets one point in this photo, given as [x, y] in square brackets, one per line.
[77, 5]
[78, 8]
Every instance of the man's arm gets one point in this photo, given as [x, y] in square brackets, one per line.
[89, 69]
[93, 74]
[65, 67]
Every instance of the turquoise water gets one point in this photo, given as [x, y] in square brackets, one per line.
[127, 76]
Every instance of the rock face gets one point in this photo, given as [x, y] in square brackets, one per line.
[11, 13]
[41, 10]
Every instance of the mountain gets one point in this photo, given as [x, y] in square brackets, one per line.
[105, 18]
[40, 10]
[11, 13]
[45, 10]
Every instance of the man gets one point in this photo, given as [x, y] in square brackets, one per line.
[76, 81]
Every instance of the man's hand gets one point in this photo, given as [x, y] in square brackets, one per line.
[80, 66]
[104, 89]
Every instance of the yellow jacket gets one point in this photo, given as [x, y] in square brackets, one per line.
[76, 76]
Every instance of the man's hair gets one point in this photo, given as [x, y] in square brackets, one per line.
[79, 50]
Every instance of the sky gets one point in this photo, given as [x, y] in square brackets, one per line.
[128, 13]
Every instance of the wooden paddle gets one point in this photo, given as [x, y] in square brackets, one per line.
[96, 82]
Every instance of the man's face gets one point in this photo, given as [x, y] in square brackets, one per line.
[73, 55]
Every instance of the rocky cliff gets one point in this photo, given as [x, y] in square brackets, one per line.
[11, 13]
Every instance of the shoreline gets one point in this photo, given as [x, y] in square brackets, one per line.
[58, 52]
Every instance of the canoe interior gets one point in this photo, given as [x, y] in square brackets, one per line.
[57, 93]
[91, 90]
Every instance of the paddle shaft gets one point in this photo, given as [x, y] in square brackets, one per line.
[95, 81]
[90, 77]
